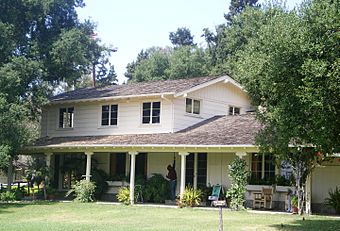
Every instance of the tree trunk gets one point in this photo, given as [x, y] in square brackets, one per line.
[10, 174]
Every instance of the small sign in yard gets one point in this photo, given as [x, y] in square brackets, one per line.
[220, 204]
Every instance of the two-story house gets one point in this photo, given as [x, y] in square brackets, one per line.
[138, 129]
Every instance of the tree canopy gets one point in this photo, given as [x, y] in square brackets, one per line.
[42, 43]
[182, 37]
[237, 7]
[158, 63]
[294, 75]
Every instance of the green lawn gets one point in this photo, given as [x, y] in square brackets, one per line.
[76, 216]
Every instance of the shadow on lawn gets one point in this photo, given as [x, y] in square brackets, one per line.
[6, 207]
[326, 223]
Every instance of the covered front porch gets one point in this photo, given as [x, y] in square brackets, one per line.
[199, 167]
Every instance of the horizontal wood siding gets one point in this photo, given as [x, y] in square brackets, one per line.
[320, 186]
[43, 123]
[87, 119]
[215, 100]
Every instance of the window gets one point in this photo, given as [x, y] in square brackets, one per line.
[262, 167]
[109, 115]
[234, 110]
[151, 113]
[200, 171]
[192, 106]
[66, 117]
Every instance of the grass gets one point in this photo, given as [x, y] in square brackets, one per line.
[76, 216]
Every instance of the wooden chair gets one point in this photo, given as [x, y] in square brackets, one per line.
[263, 198]
[267, 194]
[258, 200]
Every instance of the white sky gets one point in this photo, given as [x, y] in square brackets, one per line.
[133, 25]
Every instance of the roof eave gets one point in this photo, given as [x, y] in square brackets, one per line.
[141, 148]
[162, 95]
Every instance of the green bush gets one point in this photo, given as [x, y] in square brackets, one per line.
[83, 190]
[124, 195]
[7, 196]
[334, 199]
[191, 197]
[239, 176]
[156, 189]
[19, 193]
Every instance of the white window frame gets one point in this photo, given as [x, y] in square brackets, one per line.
[233, 107]
[151, 110]
[101, 115]
[192, 106]
[68, 122]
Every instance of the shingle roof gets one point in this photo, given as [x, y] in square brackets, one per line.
[219, 130]
[143, 88]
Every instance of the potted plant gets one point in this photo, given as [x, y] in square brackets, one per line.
[294, 202]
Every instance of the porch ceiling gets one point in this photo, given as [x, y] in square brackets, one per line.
[219, 133]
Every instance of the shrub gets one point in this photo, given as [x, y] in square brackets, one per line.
[124, 195]
[19, 193]
[239, 176]
[191, 197]
[83, 190]
[334, 199]
[7, 196]
[156, 189]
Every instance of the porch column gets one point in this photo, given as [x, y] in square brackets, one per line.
[88, 165]
[132, 176]
[195, 170]
[48, 166]
[48, 159]
[183, 163]
[309, 194]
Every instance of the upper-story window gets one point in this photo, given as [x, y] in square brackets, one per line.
[66, 115]
[151, 112]
[234, 110]
[109, 115]
[192, 106]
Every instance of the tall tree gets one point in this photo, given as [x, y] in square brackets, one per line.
[42, 43]
[150, 65]
[291, 71]
[181, 37]
[188, 62]
[237, 7]
[131, 67]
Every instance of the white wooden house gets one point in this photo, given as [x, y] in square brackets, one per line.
[139, 128]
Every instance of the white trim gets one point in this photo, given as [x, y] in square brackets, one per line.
[58, 118]
[234, 106]
[151, 110]
[109, 98]
[100, 114]
[192, 106]
[225, 79]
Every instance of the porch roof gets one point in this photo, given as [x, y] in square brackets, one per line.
[236, 130]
